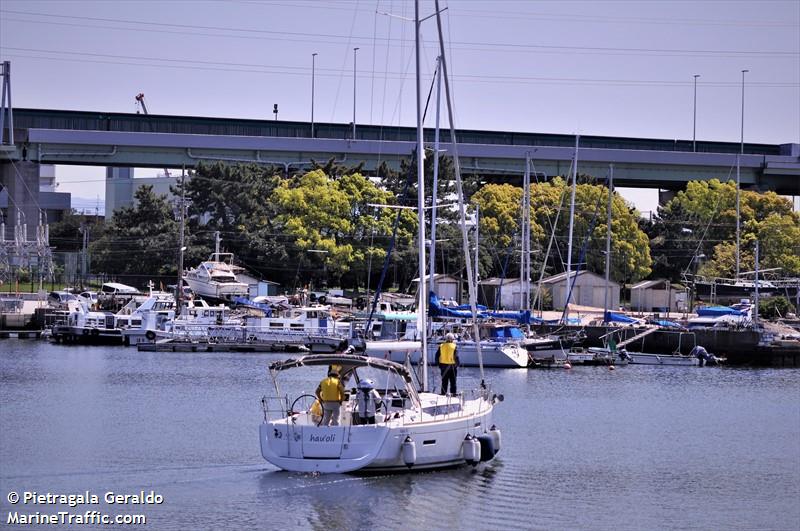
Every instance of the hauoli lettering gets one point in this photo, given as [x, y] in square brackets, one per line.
[322, 438]
[142, 498]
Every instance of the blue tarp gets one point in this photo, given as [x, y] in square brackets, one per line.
[435, 309]
[506, 332]
[717, 311]
[667, 324]
[244, 301]
[613, 317]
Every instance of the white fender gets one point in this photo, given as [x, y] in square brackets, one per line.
[409, 451]
[494, 432]
[472, 450]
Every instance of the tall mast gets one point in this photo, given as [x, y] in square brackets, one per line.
[473, 291]
[525, 258]
[571, 226]
[432, 266]
[608, 238]
[423, 295]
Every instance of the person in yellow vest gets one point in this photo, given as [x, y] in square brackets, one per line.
[330, 393]
[447, 360]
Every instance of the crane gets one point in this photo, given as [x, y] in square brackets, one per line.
[140, 103]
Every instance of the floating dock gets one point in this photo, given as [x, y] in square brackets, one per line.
[204, 346]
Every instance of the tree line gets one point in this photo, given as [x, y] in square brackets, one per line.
[323, 225]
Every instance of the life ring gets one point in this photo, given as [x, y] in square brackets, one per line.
[150, 335]
[322, 300]
[95, 332]
[85, 331]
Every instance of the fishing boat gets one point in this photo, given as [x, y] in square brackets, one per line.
[412, 431]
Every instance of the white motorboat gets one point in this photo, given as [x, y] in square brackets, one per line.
[199, 321]
[85, 326]
[142, 323]
[216, 278]
[645, 358]
[413, 431]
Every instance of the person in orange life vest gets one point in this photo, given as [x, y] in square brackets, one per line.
[330, 393]
[447, 360]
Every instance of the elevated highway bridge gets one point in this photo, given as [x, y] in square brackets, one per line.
[159, 141]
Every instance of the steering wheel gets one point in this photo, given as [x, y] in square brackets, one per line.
[302, 404]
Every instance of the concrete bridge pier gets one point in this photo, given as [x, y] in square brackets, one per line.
[20, 194]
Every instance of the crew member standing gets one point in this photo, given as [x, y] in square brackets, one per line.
[447, 359]
[330, 393]
[367, 403]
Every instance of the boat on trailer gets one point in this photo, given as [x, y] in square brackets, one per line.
[412, 431]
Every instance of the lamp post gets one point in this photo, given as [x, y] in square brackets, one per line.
[694, 122]
[313, 73]
[355, 57]
[738, 184]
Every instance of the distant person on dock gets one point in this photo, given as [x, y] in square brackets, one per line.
[330, 393]
[447, 360]
[367, 402]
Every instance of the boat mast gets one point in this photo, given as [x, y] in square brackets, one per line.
[421, 313]
[473, 295]
[571, 225]
[179, 295]
[525, 262]
[608, 239]
[432, 265]
[755, 306]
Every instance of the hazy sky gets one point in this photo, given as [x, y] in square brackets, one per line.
[595, 68]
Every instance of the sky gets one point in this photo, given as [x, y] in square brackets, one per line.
[593, 68]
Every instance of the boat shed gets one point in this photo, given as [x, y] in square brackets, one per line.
[658, 295]
[258, 288]
[589, 290]
[502, 293]
[446, 287]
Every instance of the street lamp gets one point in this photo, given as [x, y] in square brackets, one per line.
[694, 123]
[313, 72]
[355, 56]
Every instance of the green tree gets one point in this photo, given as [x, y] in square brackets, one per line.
[140, 240]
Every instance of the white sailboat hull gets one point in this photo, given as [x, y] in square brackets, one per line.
[495, 354]
[300, 446]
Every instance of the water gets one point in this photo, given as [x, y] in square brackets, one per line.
[636, 448]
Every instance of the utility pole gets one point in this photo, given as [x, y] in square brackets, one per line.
[694, 123]
[313, 74]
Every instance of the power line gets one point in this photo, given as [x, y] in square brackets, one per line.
[301, 71]
[366, 39]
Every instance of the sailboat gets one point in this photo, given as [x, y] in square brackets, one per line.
[413, 429]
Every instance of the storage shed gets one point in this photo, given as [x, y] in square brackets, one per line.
[589, 290]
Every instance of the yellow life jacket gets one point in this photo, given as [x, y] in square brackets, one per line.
[330, 390]
[447, 354]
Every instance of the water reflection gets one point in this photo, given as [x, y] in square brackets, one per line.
[635, 448]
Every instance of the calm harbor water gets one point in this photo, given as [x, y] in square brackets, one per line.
[636, 448]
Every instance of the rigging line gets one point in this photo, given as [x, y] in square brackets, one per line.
[428, 100]
[25, 184]
[350, 37]
[550, 243]
[581, 258]
[344, 61]
[702, 238]
[516, 15]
